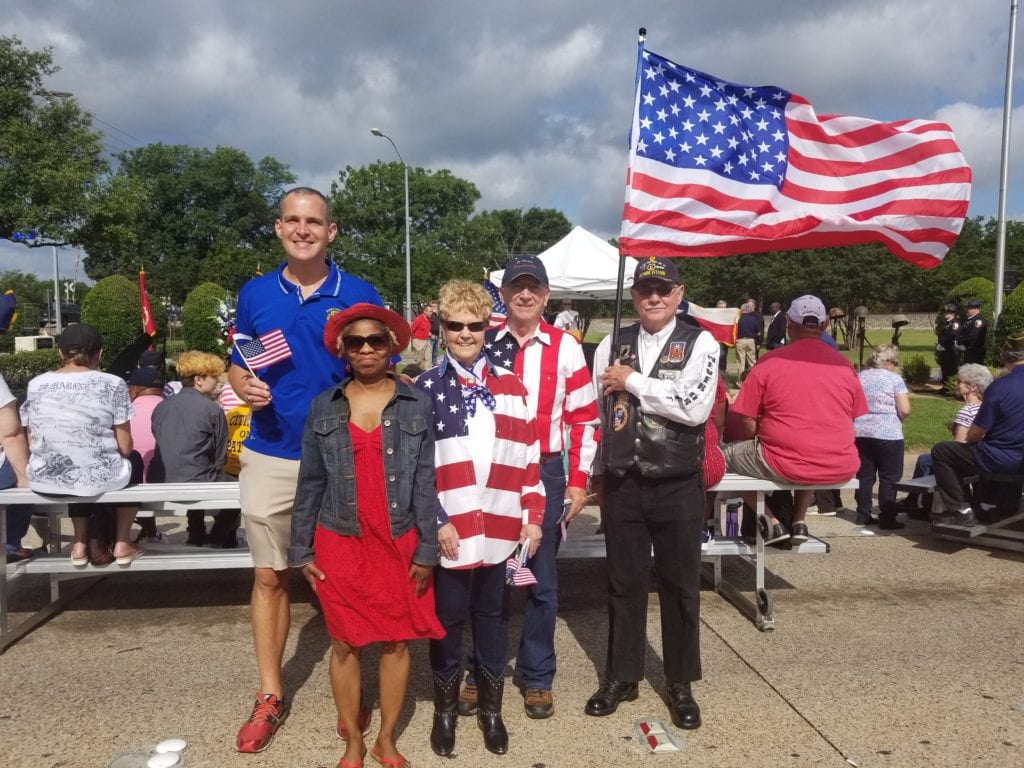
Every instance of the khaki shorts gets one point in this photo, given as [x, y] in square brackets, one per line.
[266, 487]
[745, 458]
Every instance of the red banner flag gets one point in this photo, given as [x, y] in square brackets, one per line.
[718, 169]
[148, 324]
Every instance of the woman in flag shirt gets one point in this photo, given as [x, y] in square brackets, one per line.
[492, 500]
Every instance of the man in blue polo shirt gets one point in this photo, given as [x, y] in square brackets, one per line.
[995, 441]
[297, 298]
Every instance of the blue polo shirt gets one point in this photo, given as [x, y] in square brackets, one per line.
[1002, 417]
[269, 302]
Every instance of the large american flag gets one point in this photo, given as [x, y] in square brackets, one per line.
[498, 309]
[718, 169]
[271, 347]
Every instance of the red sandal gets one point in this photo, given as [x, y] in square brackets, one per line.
[391, 762]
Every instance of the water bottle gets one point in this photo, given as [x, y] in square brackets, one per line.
[732, 519]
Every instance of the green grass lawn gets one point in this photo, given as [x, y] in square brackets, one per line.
[926, 424]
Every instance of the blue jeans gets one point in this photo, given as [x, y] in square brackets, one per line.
[480, 595]
[535, 661]
[18, 515]
[883, 458]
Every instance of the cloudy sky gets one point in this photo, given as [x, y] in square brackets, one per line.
[530, 99]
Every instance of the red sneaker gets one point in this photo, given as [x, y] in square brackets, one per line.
[363, 722]
[267, 716]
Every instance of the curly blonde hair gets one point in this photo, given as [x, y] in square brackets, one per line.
[191, 364]
[465, 295]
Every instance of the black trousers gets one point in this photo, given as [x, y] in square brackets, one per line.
[948, 364]
[668, 513]
[952, 462]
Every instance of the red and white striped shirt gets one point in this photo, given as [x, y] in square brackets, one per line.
[488, 513]
[560, 392]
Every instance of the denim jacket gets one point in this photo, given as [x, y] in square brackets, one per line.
[326, 489]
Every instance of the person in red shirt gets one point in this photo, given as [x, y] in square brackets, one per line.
[421, 346]
[798, 405]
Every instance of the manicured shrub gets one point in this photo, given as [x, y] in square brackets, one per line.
[18, 367]
[1011, 320]
[916, 370]
[114, 307]
[200, 326]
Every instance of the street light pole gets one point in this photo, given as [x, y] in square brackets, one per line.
[408, 255]
[52, 96]
[56, 291]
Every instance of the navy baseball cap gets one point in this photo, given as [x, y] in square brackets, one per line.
[951, 308]
[147, 376]
[524, 264]
[654, 268]
[974, 302]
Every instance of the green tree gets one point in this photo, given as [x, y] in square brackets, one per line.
[511, 231]
[50, 156]
[187, 215]
[199, 325]
[369, 207]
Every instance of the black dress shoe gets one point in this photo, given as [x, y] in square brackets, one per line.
[610, 695]
[684, 708]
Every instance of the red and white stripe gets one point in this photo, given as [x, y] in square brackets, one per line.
[849, 180]
[720, 322]
[489, 515]
[561, 393]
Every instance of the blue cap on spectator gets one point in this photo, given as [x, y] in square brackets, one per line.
[146, 377]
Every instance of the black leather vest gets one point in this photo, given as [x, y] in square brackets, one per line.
[657, 447]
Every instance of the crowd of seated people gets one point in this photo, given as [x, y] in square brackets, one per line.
[82, 432]
[971, 382]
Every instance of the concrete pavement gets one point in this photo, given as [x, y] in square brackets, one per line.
[893, 650]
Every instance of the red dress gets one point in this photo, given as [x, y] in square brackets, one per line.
[367, 595]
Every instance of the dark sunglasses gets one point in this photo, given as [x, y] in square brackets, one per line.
[456, 327]
[378, 342]
[662, 289]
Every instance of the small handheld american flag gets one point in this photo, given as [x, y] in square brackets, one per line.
[516, 572]
[269, 348]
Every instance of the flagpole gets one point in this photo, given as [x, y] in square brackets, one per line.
[633, 135]
[1004, 168]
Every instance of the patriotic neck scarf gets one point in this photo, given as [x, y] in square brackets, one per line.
[472, 380]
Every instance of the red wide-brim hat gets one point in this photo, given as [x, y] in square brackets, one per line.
[336, 324]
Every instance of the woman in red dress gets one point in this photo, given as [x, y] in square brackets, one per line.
[364, 529]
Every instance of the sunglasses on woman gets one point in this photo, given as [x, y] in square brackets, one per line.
[378, 342]
[456, 327]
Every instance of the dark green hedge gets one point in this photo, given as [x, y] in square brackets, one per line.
[114, 307]
[18, 367]
[199, 325]
[1011, 320]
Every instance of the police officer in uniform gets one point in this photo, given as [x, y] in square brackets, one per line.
[661, 387]
[946, 344]
[971, 339]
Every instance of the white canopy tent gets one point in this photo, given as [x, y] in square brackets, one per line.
[581, 266]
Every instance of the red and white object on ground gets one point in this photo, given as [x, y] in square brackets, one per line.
[657, 737]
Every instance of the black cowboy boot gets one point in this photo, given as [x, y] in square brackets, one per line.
[488, 713]
[446, 715]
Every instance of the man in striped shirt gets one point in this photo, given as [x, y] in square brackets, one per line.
[551, 365]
